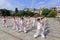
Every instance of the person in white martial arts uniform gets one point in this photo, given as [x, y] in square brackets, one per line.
[45, 21]
[4, 21]
[39, 29]
[14, 23]
[28, 22]
[43, 27]
[18, 23]
[22, 25]
[25, 24]
[32, 21]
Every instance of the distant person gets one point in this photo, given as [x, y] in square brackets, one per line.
[14, 23]
[28, 22]
[22, 25]
[33, 21]
[4, 21]
[44, 22]
[39, 28]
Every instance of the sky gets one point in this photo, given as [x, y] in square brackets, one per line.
[21, 4]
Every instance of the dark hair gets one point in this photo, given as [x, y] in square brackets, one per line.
[22, 18]
[38, 19]
[4, 16]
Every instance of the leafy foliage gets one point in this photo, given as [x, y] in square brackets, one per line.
[45, 12]
[5, 12]
[52, 14]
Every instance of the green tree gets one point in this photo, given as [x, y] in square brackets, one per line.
[22, 13]
[34, 10]
[52, 14]
[16, 10]
[45, 12]
[16, 13]
[5, 12]
[37, 15]
[29, 13]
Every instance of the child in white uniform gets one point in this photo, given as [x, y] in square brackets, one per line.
[45, 21]
[4, 22]
[18, 23]
[39, 29]
[25, 24]
[32, 22]
[28, 22]
[43, 27]
[14, 23]
[22, 25]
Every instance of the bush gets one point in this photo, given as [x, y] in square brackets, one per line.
[29, 13]
[52, 14]
[37, 15]
[5, 12]
[45, 12]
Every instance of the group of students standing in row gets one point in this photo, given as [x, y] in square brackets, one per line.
[22, 23]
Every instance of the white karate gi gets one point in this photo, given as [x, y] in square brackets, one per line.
[32, 22]
[22, 26]
[18, 23]
[28, 23]
[39, 30]
[15, 24]
[4, 22]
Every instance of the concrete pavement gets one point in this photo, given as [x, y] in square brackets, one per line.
[52, 32]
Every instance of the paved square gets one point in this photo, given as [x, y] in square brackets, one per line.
[53, 32]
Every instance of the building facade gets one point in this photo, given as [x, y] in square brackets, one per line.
[58, 10]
